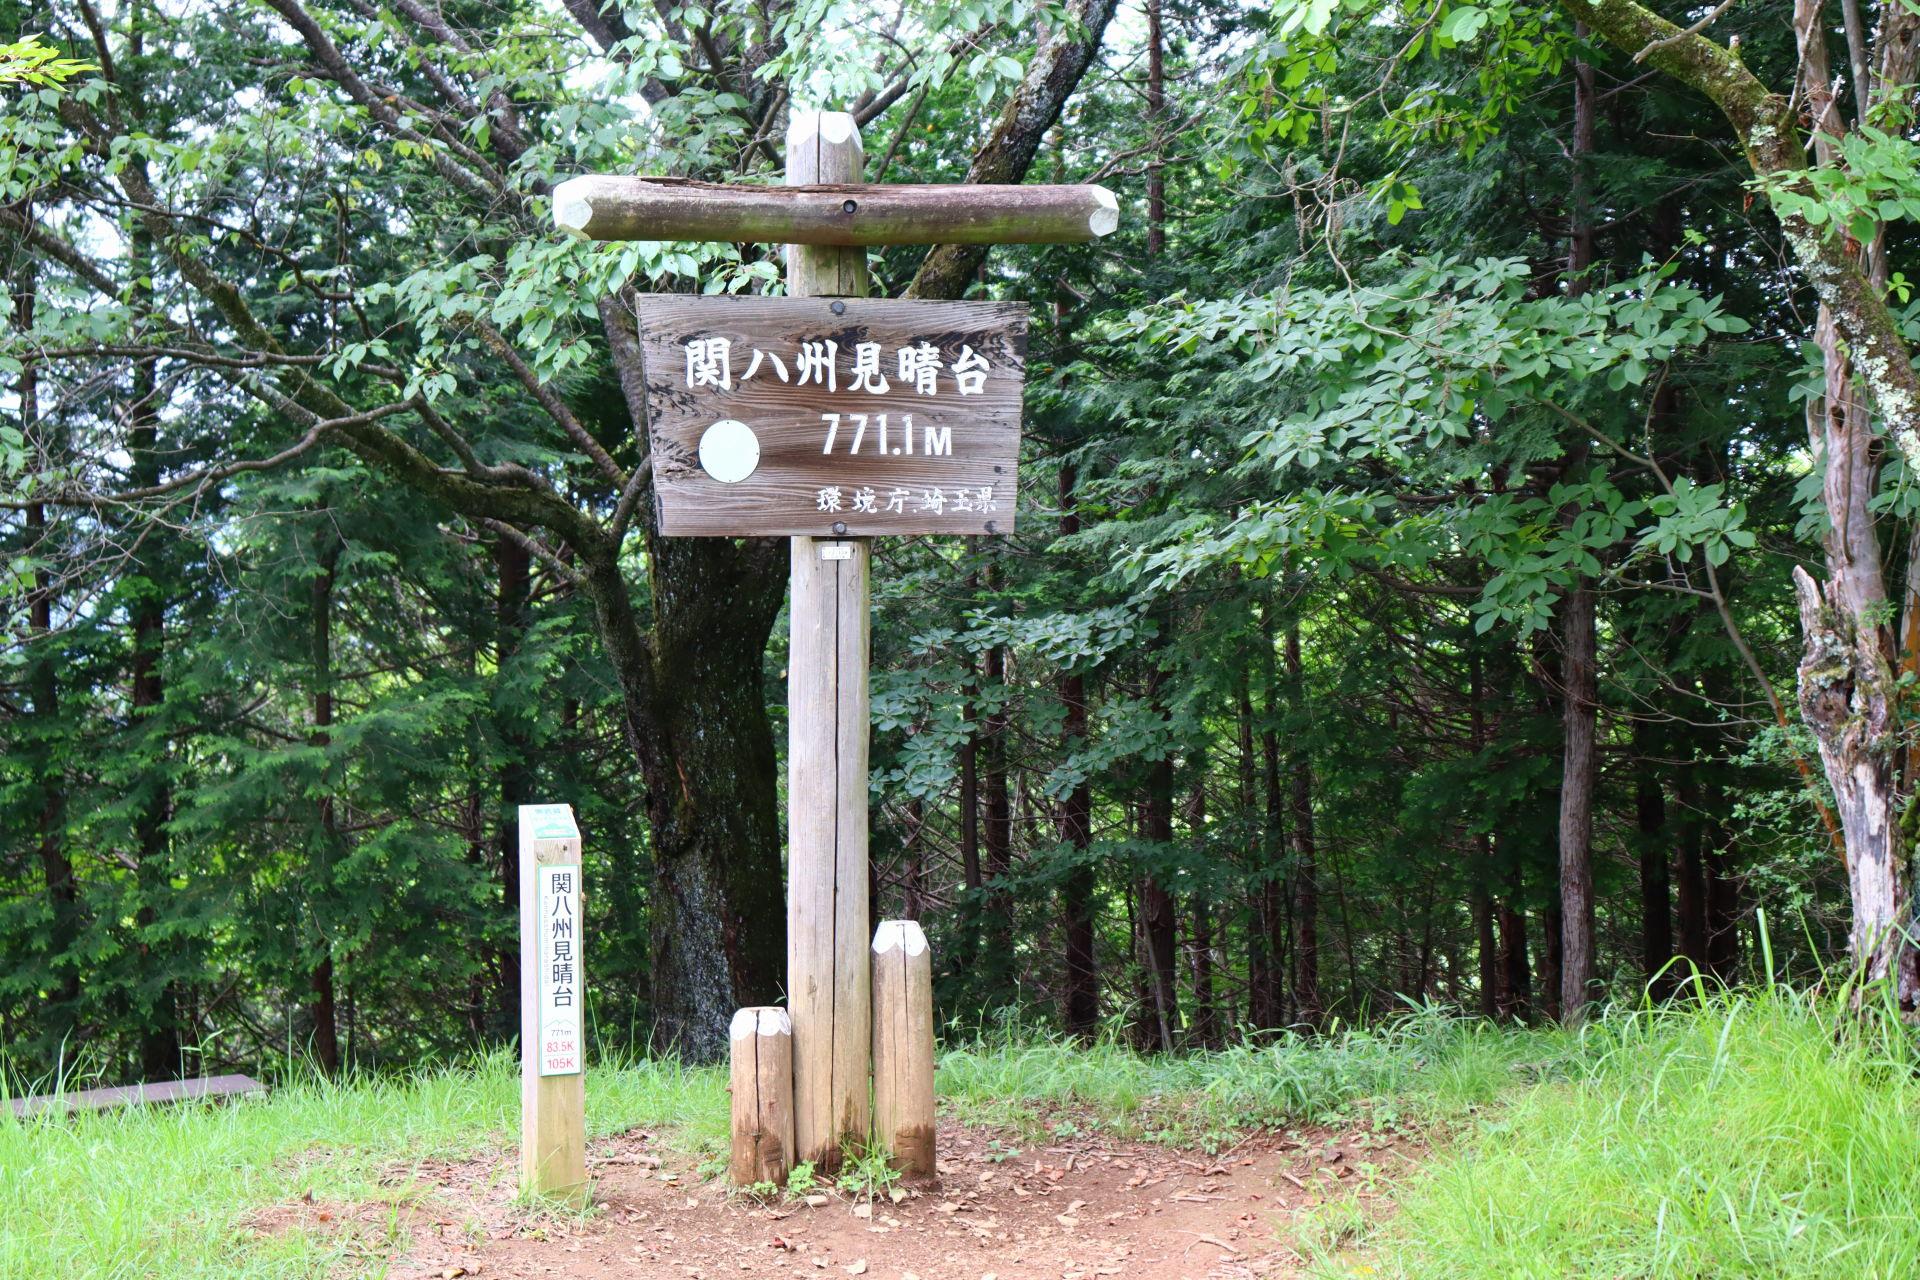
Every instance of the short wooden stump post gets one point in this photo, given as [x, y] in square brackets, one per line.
[762, 1087]
[903, 1048]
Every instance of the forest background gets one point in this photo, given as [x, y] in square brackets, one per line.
[1402, 608]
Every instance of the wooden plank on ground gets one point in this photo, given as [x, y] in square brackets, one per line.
[133, 1095]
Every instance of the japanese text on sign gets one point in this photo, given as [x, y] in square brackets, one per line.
[840, 417]
[557, 968]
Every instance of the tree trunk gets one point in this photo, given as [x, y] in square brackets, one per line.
[716, 914]
[1206, 1016]
[159, 1018]
[1690, 876]
[1482, 898]
[1263, 959]
[1552, 939]
[1656, 897]
[1306, 871]
[1578, 678]
[1076, 828]
[1846, 669]
[1158, 924]
[1276, 897]
[43, 684]
[997, 815]
[513, 583]
[1578, 769]
[1156, 114]
[1516, 973]
[321, 1006]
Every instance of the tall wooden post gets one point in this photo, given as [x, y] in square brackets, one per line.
[828, 978]
[903, 1048]
[553, 1110]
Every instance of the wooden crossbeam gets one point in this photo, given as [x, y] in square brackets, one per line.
[618, 208]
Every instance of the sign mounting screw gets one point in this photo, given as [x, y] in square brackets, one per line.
[839, 526]
[838, 308]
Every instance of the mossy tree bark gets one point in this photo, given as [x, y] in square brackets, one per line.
[1848, 695]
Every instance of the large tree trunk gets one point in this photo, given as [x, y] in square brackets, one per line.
[1306, 869]
[705, 745]
[1848, 690]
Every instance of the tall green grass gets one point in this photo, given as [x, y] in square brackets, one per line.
[1749, 1134]
[1427, 1061]
[167, 1191]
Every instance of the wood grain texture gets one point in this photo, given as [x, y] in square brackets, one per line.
[827, 967]
[981, 431]
[642, 208]
[553, 1109]
[828, 975]
[903, 1107]
[761, 1082]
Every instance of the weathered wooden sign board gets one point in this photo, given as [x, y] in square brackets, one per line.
[833, 416]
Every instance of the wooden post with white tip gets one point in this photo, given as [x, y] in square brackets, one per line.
[761, 1082]
[903, 1122]
[553, 1111]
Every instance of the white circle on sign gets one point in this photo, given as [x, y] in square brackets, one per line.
[729, 451]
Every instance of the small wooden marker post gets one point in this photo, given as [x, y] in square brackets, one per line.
[761, 1082]
[553, 1110]
[841, 420]
[903, 1048]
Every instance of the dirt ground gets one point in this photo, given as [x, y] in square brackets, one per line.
[1006, 1209]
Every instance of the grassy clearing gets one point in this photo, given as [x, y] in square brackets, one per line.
[1750, 1135]
[1428, 1065]
[166, 1191]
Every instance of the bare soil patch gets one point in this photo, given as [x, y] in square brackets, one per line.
[1008, 1208]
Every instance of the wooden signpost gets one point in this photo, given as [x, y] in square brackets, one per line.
[553, 1124]
[831, 418]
